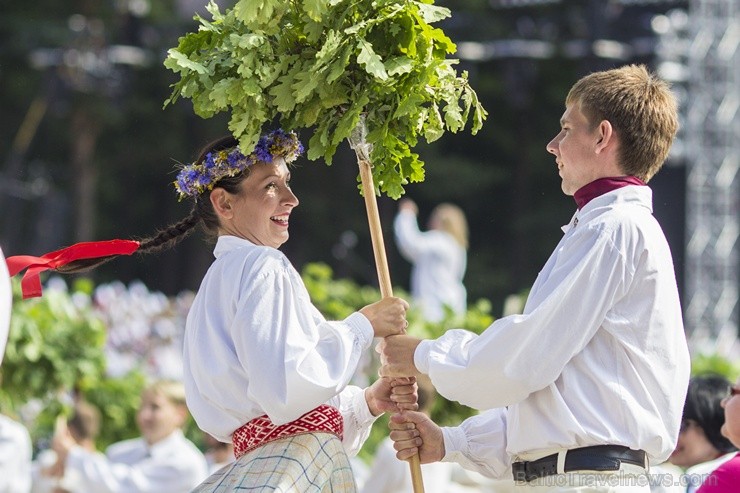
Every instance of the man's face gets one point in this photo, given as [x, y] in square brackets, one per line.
[574, 148]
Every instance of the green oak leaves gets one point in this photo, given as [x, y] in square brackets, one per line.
[320, 64]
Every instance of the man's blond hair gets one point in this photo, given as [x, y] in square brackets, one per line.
[172, 390]
[640, 107]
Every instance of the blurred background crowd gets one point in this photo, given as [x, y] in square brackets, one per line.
[87, 152]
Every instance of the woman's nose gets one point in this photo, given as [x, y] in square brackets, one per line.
[291, 198]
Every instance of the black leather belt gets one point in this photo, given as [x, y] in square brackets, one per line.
[595, 458]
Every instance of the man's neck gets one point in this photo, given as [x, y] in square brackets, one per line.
[600, 186]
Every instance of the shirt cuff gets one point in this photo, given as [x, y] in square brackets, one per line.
[421, 356]
[455, 443]
[362, 411]
[362, 327]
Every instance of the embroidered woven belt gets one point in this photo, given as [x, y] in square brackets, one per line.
[595, 458]
[261, 430]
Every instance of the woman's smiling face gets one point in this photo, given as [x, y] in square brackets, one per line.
[261, 210]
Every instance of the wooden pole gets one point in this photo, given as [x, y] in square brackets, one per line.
[384, 277]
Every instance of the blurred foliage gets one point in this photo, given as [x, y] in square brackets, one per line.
[55, 345]
[714, 363]
[55, 354]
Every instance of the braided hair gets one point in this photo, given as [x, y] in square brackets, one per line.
[202, 212]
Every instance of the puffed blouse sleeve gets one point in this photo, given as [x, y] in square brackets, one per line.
[479, 444]
[296, 360]
[357, 417]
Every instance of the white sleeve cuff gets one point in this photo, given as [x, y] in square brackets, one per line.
[455, 443]
[362, 327]
[362, 412]
[421, 356]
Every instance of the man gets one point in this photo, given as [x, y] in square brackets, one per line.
[586, 387]
[162, 459]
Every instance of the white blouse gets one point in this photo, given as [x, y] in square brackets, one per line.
[439, 263]
[599, 355]
[255, 345]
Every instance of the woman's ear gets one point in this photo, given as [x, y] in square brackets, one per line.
[221, 202]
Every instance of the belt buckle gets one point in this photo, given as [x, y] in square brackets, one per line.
[526, 471]
[519, 470]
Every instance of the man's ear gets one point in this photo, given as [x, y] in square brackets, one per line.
[221, 202]
[606, 136]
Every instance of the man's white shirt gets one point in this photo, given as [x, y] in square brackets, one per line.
[598, 356]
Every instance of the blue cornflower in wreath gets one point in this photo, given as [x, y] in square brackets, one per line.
[196, 178]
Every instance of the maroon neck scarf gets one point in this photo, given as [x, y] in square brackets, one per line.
[599, 187]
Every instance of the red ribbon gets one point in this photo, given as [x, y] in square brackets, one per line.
[31, 284]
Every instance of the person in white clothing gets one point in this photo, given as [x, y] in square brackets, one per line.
[48, 471]
[586, 386]
[162, 459]
[439, 257]
[15, 441]
[15, 456]
[262, 367]
[6, 304]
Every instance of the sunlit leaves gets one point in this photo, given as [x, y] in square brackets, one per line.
[322, 63]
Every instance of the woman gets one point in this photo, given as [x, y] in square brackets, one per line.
[701, 448]
[439, 257]
[262, 368]
[726, 478]
[260, 360]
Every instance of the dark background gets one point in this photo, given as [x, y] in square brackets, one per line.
[88, 153]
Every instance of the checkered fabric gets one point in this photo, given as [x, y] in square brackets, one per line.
[260, 430]
[307, 463]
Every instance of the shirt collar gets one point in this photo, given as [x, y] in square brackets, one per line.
[600, 186]
[227, 243]
[638, 196]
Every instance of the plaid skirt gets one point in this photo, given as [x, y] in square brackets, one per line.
[307, 463]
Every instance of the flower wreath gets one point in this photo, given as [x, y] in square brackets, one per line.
[196, 178]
